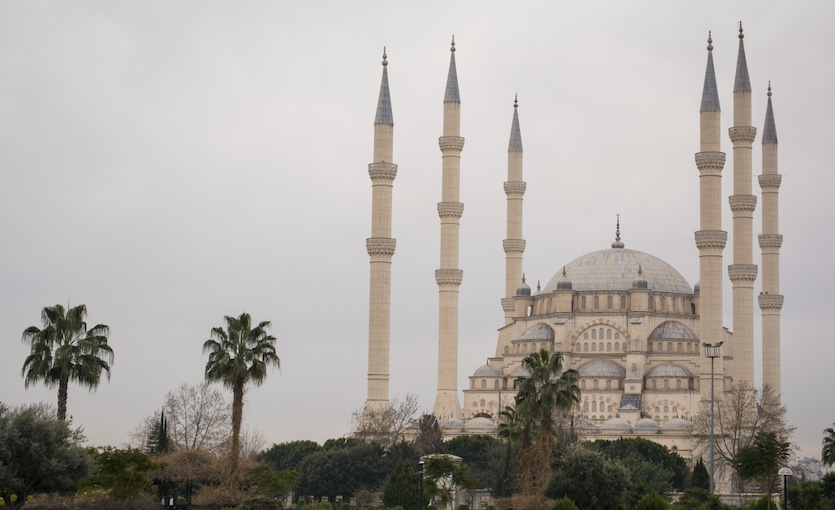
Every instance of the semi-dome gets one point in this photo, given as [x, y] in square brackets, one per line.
[481, 425]
[602, 368]
[669, 370]
[521, 371]
[539, 331]
[678, 424]
[646, 424]
[672, 330]
[617, 269]
[487, 371]
[616, 424]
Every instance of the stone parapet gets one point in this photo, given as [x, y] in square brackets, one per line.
[711, 239]
[508, 304]
[451, 144]
[450, 209]
[742, 273]
[515, 187]
[742, 134]
[743, 203]
[770, 181]
[380, 246]
[710, 162]
[382, 172]
[774, 241]
[514, 245]
[770, 301]
[449, 276]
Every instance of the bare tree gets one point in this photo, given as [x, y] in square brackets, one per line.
[198, 419]
[385, 426]
[739, 414]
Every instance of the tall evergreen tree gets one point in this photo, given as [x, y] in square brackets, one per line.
[701, 478]
[402, 486]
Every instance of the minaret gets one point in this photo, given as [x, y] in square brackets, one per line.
[771, 301]
[449, 276]
[380, 248]
[514, 188]
[743, 272]
[711, 239]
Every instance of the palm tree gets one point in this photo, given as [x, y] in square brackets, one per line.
[828, 450]
[239, 355]
[64, 350]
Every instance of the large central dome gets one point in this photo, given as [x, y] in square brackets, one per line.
[617, 269]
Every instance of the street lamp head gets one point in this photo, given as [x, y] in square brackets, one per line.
[784, 471]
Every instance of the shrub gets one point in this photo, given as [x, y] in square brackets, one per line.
[652, 501]
[463, 507]
[259, 503]
[564, 504]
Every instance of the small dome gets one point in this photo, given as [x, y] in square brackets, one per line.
[538, 289]
[563, 283]
[523, 289]
[640, 282]
[481, 425]
[487, 371]
[669, 370]
[521, 371]
[602, 368]
[646, 423]
[678, 424]
[451, 424]
[672, 330]
[539, 331]
[616, 424]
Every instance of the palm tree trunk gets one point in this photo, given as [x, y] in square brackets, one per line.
[62, 398]
[237, 418]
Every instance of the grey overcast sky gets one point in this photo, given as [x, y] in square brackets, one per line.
[169, 163]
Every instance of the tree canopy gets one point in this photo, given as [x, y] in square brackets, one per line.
[588, 478]
[38, 453]
[65, 350]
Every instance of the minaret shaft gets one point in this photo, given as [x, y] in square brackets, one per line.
[514, 244]
[743, 272]
[380, 247]
[449, 277]
[710, 239]
[770, 299]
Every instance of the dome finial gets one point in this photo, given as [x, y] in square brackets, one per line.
[741, 35]
[538, 287]
[523, 277]
[452, 48]
[385, 61]
[617, 243]
[516, 99]
[769, 88]
[709, 41]
[563, 270]
[640, 270]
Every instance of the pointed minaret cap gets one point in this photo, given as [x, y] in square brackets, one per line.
[770, 130]
[451, 95]
[710, 93]
[742, 83]
[515, 144]
[384, 115]
[617, 243]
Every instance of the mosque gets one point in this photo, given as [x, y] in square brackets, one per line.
[635, 329]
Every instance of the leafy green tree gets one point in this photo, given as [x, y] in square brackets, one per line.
[38, 453]
[401, 488]
[442, 475]
[122, 473]
[650, 464]
[483, 455]
[700, 478]
[588, 478]
[828, 450]
[65, 350]
[343, 471]
[652, 501]
[760, 461]
[289, 455]
[267, 482]
[564, 504]
[546, 390]
[238, 356]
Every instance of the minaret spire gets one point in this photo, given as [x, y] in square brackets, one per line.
[770, 299]
[618, 243]
[380, 247]
[514, 188]
[743, 271]
[449, 277]
[710, 239]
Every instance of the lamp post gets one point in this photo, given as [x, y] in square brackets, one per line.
[712, 352]
[420, 489]
[785, 473]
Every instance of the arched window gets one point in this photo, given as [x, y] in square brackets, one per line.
[689, 347]
[675, 410]
[608, 334]
[624, 346]
[601, 346]
[525, 349]
[663, 303]
[608, 346]
[544, 347]
[577, 346]
[651, 303]
[678, 348]
[594, 347]
[666, 409]
[609, 409]
[666, 384]
[582, 384]
[617, 346]
[608, 384]
[481, 402]
[634, 367]
[594, 334]
[594, 384]
[653, 384]
[596, 302]
[585, 407]
[504, 383]
[583, 302]
[496, 384]
[483, 383]
[586, 347]
[617, 335]
[594, 407]
[586, 335]
[507, 349]
[669, 347]
[609, 302]
[660, 347]
[678, 384]
[516, 348]
[623, 302]
[600, 331]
